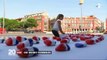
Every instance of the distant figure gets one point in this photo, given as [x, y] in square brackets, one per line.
[57, 26]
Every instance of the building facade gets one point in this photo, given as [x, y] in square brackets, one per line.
[106, 25]
[42, 21]
[69, 24]
[75, 25]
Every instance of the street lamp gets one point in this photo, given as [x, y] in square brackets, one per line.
[3, 16]
[81, 3]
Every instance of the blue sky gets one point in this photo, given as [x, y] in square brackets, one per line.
[70, 8]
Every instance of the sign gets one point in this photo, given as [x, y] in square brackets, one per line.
[11, 52]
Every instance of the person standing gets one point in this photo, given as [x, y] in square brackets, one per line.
[57, 26]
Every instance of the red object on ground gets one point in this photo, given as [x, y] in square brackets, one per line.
[58, 39]
[74, 39]
[20, 46]
[92, 36]
[19, 38]
[65, 38]
[49, 42]
[22, 54]
[90, 41]
[64, 41]
[54, 37]
[62, 47]
[9, 42]
[97, 40]
[27, 43]
[44, 38]
[82, 38]
[85, 38]
[35, 38]
[101, 38]
[77, 36]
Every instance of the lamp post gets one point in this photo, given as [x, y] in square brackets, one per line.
[81, 3]
[3, 17]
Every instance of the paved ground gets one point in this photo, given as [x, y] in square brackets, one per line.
[40, 34]
[97, 51]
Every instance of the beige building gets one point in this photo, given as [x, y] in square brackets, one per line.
[75, 24]
[42, 20]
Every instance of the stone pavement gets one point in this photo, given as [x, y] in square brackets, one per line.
[39, 34]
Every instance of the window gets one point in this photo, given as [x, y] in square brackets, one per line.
[88, 25]
[72, 21]
[75, 21]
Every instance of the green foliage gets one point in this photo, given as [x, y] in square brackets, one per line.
[1, 21]
[13, 25]
[21, 24]
[100, 29]
[30, 22]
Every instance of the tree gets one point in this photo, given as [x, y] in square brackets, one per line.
[1, 21]
[12, 25]
[21, 24]
[31, 22]
[100, 29]
[97, 29]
